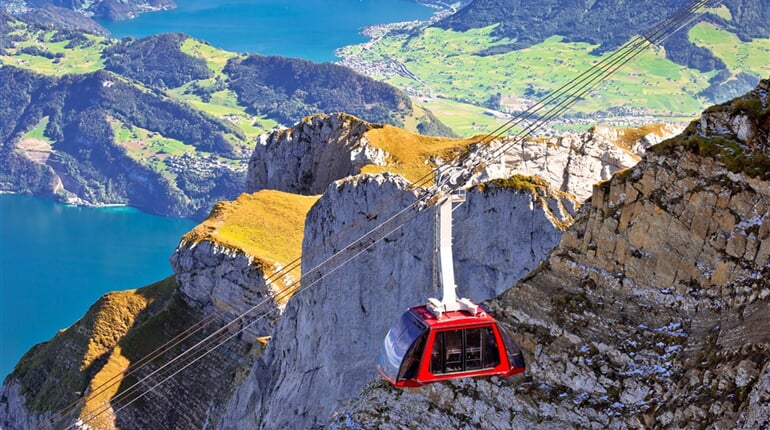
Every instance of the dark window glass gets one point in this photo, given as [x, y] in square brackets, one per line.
[412, 360]
[400, 340]
[464, 351]
[473, 349]
[491, 352]
[453, 354]
[437, 355]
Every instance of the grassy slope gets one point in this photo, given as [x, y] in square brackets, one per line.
[751, 57]
[444, 62]
[411, 154]
[267, 225]
[55, 372]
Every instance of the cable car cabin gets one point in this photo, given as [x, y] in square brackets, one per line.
[422, 347]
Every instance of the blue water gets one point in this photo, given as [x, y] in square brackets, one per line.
[57, 260]
[310, 29]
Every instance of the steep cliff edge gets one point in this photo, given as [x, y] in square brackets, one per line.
[323, 349]
[651, 311]
[306, 158]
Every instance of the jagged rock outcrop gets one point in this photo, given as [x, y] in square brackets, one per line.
[306, 158]
[324, 346]
[14, 411]
[228, 282]
[574, 162]
[650, 313]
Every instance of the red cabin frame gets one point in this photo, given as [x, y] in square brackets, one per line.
[422, 348]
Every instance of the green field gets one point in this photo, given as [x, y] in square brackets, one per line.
[81, 58]
[147, 147]
[38, 130]
[749, 57]
[444, 65]
[447, 66]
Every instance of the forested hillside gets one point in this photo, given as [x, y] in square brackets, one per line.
[164, 123]
[288, 89]
[608, 24]
[494, 58]
[61, 136]
[156, 61]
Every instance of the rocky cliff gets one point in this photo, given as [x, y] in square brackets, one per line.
[323, 349]
[649, 313]
[574, 162]
[306, 158]
[590, 329]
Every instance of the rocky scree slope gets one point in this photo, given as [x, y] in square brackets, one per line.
[651, 311]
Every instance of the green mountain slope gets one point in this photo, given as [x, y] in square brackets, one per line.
[165, 123]
[104, 9]
[504, 55]
[606, 23]
[79, 138]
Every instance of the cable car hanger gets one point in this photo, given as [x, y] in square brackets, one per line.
[449, 338]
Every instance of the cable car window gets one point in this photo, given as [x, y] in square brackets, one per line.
[491, 352]
[464, 351]
[437, 354]
[399, 341]
[512, 349]
[453, 352]
[412, 359]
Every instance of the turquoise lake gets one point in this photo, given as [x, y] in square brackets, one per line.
[310, 29]
[57, 260]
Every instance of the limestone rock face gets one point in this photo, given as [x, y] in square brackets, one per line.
[213, 278]
[574, 162]
[308, 157]
[13, 409]
[305, 159]
[325, 345]
[650, 313]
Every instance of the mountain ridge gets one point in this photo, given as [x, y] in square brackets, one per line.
[130, 149]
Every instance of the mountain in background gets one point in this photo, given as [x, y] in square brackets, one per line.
[164, 123]
[606, 24]
[493, 58]
[100, 9]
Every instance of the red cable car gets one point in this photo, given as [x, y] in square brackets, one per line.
[447, 339]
